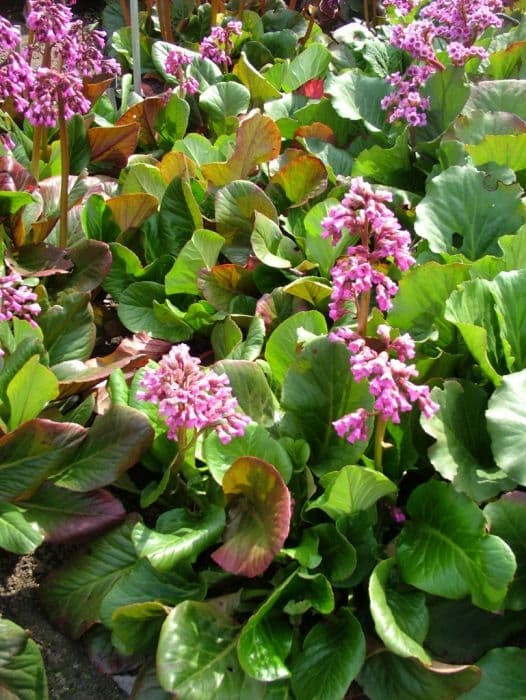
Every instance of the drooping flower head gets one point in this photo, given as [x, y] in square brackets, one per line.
[191, 398]
[219, 43]
[49, 20]
[48, 88]
[17, 299]
[82, 51]
[175, 64]
[16, 79]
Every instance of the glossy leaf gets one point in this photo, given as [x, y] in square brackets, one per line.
[444, 550]
[130, 211]
[22, 672]
[259, 517]
[17, 533]
[113, 144]
[503, 675]
[29, 391]
[302, 178]
[200, 252]
[68, 327]
[357, 96]
[260, 88]
[311, 63]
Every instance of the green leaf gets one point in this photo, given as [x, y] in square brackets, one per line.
[269, 244]
[115, 442]
[22, 672]
[255, 442]
[507, 518]
[72, 595]
[458, 202]
[358, 96]
[503, 675]
[311, 63]
[18, 534]
[318, 388]
[196, 655]
[179, 217]
[444, 550]
[506, 417]
[34, 451]
[448, 91]
[224, 101]
[68, 327]
[332, 655]
[389, 620]
[388, 676]
[389, 166]
[136, 626]
[284, 344]
[172, 121]
[260, 88]
[29, 391]
[180, 536]
[504, 149]
[259, 513]
[462, 452]
[302, 177]
[498, 96]
[143, 177]
[350, 490]
[201, 251]
[320, 250]
[419, 304]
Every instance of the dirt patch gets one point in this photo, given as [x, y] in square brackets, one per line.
[70, 674]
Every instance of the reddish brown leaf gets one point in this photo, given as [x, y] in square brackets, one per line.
[40, 260]
[144, 114]
[316, 130]
[113, 144]
[131, 210]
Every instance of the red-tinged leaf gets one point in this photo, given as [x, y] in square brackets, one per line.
[131, 210]
[114, 144]
[223, 283]
[144, 114]
[103, 655]
[313, 89]
[64, 516]
[302, 178]
[96, 87]
[258, 140]
[177, 164]
[14, 177]
[131, 354]
[40, 260]
[34, 451]
[259, 517]
[316, 130]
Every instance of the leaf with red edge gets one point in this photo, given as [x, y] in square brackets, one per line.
[14, 177]
[64, 516]
[177, 164]
[91, 261]
[144, 114]
[114, 144]
[302, 178]
[259, 517]
[316, 130]
[41, 260]
[258, 140]
[96, 86]
[132, 210]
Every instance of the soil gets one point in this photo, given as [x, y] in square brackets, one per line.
[69, 671]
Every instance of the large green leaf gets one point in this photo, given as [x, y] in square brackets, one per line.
[196, 656]
[419, 304]
[507, 518]
[503, 675]
[200, 252]
[260, 88]
[22, 672]
[179, 217]
[448, 91]
[444, 550]
[68, 327]
[332, 655]
[394, 614]
[32, 452]
[504, 149]
[259, 513]
[388, 676]
[17, 533]
[179, 536]
[350, 490]
[311, 63]
[115, 442]
[29, 391]
[318, 389]
[498, 96]
[72, 595]
[389, 166]
[255, 442]
[462, 451]
[320, 250]
[223, 102]
[506, 416]
[459, 202]
[358, 96]
[285, 342]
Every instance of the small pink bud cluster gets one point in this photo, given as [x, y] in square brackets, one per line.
[390, 379]
[9, 35]
[457, 26]
[364, 213]
[50, 87]
[175, 64]
[17, 299]
[82, 52]
[50, 21]
[190, 398]
[217, 46]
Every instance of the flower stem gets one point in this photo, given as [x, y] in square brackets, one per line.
[379, 434]
[38, 134]
[312, 16]
[214, 12]
[363, 313]
[64, 174]
[125, 12]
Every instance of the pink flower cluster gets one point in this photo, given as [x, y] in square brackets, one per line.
[458, 25]
[190, 398]
[17, 299]
[363, 212]
[390, 379]
[175, 64]
[76, 50]
[217, 46]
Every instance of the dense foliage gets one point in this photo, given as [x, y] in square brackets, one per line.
[263, 345]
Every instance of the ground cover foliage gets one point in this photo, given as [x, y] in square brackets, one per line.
[263, 336]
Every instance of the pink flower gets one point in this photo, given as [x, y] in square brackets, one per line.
[49, 87]
[16, 299]
[82, 51]
[191, 398]
[9, 35]
[175, 64]
[16, 79]
[219, 43]
[49, 20]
